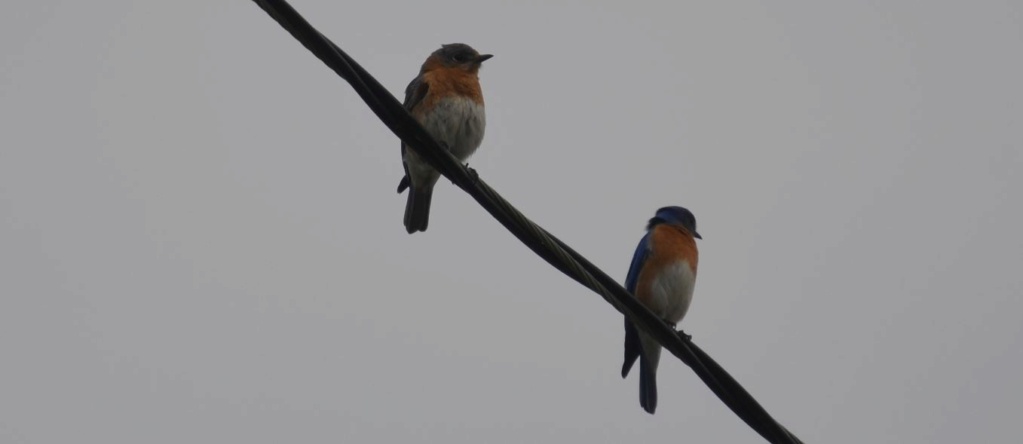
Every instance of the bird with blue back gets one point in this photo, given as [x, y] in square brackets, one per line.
[662, 276]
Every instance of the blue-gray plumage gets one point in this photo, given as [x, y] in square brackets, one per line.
[661, 276]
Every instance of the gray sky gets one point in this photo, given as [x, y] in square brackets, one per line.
[193, 253]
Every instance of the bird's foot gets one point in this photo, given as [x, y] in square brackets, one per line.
[473, 175]
[683, 336]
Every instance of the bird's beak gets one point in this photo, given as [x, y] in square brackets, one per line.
[483, 57]
[697, 235]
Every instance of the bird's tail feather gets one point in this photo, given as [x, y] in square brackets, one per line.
[417, 209]
[647, 386]
[648, 360]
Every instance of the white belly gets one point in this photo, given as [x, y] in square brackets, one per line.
[459, 123]
[672, 291]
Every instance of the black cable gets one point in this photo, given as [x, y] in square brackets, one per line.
[548, 247]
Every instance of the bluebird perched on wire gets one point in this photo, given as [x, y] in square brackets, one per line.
[447, 100]
[662, 276]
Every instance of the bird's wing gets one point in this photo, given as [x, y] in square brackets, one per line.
[414, 94]
[638, 260]
[633, 344]
[415, 91]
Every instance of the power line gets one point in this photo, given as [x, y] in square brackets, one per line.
[548, 247]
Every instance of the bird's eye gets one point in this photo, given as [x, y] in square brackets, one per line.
[460, 58]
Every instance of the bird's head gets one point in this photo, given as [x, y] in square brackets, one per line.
[675, 216]
[457, 55]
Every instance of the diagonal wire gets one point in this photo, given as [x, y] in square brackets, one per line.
[548, 247]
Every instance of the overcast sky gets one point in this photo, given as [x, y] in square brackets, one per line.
[200, 239]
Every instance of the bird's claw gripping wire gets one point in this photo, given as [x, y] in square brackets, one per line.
[473, 175]
[683, 336]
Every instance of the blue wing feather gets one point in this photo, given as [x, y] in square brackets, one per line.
[638, 259]
[633, 345]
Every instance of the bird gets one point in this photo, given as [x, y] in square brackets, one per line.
[661, 276]
[447, 100]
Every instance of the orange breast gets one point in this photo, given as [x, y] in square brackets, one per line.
[445, 81]
[669, 244]
[675, 243]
